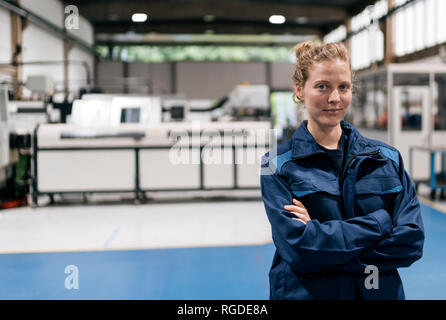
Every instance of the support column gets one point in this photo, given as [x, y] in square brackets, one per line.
[387, 29]
[18, 24]
[348, 30]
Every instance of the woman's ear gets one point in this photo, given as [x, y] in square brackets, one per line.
[298, 91]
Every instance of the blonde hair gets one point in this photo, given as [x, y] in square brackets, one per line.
[308, 53]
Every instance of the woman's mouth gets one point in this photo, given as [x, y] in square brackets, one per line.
[332, 111]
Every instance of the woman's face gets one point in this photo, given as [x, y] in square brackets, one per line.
[327, 92]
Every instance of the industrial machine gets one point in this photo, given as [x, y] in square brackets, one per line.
[405, 106]
[14, 157]
[116, 144]
[245, 102]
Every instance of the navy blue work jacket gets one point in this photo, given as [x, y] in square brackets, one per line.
[368, 214]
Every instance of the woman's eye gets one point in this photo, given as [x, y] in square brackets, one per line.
[322, 87]
[344, 87]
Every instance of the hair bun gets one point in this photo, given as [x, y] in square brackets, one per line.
[303, 49]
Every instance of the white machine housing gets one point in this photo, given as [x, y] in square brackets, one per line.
[164, 156]
[115, 110]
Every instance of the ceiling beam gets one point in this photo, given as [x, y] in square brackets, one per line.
[200, 39]
[238, 9]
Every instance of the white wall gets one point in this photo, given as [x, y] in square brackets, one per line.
[85, 31]
[51, 10]
[194, 80]
[281, 73]
[76, 73]
[153, 77]
[214, 80]
[5, 41]
[111, 76]
[39, 44]
[42, 45]
[5, 35]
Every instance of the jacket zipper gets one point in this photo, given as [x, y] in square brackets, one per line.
[341, 178]
[350, 160]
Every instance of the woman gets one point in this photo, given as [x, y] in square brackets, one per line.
[343, 211]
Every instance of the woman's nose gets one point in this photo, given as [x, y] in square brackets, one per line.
[334, 97]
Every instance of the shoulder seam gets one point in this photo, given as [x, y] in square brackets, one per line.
[280, 162]
[391, 154]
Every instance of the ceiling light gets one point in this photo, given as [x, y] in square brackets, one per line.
[277, 19]
[139, 17]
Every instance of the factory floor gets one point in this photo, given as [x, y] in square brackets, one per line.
[171, 247]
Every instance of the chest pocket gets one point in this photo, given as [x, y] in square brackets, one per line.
[321, 198]
[373, 193]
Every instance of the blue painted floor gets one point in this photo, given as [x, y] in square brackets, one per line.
[197, 273]
[426, 278]
[239, 272]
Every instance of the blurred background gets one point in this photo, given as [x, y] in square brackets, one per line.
[131, 134]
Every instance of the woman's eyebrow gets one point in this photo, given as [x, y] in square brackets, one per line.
[327, 81]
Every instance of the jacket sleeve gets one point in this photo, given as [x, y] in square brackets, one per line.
[316, 246]
[404, 244]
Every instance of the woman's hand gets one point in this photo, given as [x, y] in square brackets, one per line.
[299, 210]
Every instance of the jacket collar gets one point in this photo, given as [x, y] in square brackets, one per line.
[304, 145]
